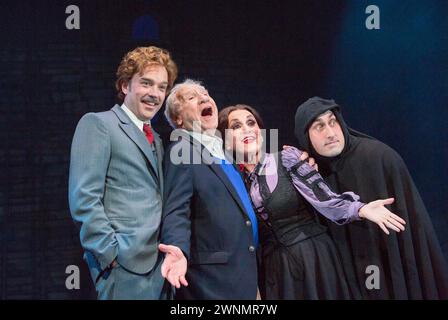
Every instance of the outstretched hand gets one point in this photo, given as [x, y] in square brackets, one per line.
[376, 211]
[174, 267]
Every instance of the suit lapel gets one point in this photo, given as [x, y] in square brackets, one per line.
[217, 169]
[222, 175]
[138, 138]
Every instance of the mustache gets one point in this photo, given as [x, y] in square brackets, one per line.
[150, 99]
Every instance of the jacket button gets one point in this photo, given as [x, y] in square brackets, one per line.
[248, 223]
[251, 248]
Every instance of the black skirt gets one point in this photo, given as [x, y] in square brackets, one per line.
[310, 269]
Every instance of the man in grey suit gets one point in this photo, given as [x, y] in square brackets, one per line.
[116, 180]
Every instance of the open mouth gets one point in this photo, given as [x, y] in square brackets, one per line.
[248, 140]
[151, 104]
[207, 112]
[332, 142]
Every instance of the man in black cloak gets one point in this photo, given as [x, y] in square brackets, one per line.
[410, 263]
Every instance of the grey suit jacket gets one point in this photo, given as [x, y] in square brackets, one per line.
[115, 192]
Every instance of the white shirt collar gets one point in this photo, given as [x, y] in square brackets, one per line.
[139, 123]
[213, 144]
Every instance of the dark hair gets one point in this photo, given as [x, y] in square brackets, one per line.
[223, 117]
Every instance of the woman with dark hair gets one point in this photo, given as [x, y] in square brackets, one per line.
[298, 258]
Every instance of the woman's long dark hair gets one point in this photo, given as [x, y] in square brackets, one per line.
[223, 117]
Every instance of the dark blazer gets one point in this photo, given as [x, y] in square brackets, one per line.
[204, 216]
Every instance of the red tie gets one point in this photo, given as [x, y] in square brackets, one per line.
[148, 132]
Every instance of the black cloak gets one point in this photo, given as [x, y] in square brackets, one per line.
[411, 263]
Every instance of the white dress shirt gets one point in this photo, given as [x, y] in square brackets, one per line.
[139, 123]
[213, 144]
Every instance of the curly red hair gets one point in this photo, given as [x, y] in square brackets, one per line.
[137, 60]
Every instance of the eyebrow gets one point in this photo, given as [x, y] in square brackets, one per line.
[249, 116]
[235, 120]
[318, 120]
[151, 80]
[320, 117]
[187, 93]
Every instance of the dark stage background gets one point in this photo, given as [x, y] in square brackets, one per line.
[392, 84]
